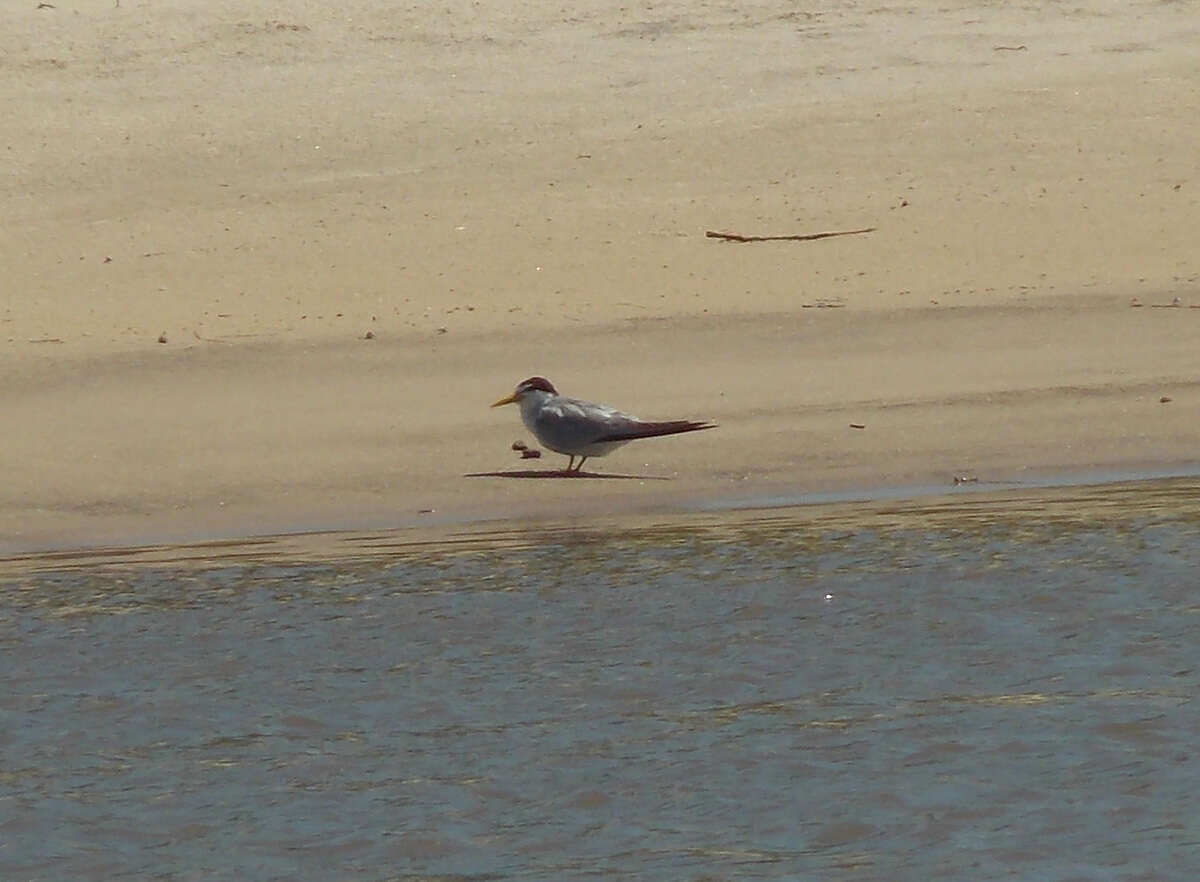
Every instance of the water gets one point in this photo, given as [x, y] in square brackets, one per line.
[958, 689]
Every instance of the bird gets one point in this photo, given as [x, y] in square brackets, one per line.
[582, 429]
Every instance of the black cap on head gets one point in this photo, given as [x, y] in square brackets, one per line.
[539, 383]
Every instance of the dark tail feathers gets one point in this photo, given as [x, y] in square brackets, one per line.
[654, 430]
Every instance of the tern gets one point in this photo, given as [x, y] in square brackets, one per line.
[580, 428]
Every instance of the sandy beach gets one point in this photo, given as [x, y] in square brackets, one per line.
[267, 264]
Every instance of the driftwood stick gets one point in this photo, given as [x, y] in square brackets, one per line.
[800, 237]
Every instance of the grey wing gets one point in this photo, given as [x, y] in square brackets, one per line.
[569, 423]
[640, 429]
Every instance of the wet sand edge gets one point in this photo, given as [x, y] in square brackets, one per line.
[1072, 499]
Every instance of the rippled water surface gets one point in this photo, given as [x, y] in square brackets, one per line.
[961, 689]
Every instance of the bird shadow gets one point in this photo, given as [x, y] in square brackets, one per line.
[563, 473]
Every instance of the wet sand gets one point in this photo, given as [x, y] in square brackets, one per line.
[1069, 507]
[492, 194]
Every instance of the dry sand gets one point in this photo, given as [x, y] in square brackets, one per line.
[494, 192]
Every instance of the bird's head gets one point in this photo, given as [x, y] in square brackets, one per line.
[528, 387]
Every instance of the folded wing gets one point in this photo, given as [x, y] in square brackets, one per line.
[568, 423]
[638, 429]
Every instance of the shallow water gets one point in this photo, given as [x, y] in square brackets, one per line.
[959, 688]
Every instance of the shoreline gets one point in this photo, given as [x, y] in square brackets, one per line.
[846, 507]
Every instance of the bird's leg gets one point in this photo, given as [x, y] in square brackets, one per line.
[570, 462]
[579, 467]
